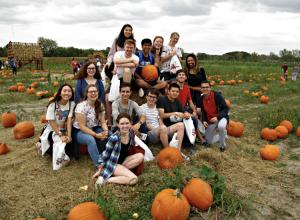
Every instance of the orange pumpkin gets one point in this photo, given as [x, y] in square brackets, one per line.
[3, 148]
[298, 132]
[8, 119]
[282, 132]
[199, 194]
[221, 82]
[170, 204]
[169, 157]
[287, 124]
[21, 89]
[268, 134]
[39, 219]
[86, 211]
[149, 73]
[235, 129]
[13, 88]
[269, 152]
[264, 99]
[55, 84]
[30, 90]
[23, 130]
[34, 84]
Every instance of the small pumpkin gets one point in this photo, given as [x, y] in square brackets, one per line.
[86, 211]
[21, 89]
[13, 88]
[199, 193]
[169, 157]
[3, 148]
[268, 134]
[8, 119]
[269, 152]
[55, 83]
[264, 99]
[282, 132]
[287, 124]
[34, 84]
[235, 129]
[170, 204]
[24, 129]
[30, 90]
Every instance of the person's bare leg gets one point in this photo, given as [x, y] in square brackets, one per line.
[133, 161]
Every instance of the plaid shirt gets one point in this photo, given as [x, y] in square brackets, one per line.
[109, 158]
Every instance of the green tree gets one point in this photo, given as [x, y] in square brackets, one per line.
[48, 45]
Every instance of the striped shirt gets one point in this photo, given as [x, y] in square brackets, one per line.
[152, 115]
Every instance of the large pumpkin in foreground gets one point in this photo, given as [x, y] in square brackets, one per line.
[199, 193]
[86, 211]
[24, 129]
[269, 152]
[169, 157]
[8, 119]
[170, 204]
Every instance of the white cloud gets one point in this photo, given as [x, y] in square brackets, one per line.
[213, 27]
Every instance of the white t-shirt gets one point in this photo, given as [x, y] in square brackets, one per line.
[121, 55]
[89, 113]
[59, 113]
[152, 115]
[165, 67]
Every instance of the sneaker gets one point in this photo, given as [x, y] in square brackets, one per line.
[99, 182]
[141, 93]
[186, 158]
[38, 146]
[205, 144]
[222, 149]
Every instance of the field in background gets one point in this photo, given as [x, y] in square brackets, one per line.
[246, 187]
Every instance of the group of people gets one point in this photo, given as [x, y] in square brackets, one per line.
[111, 128]
[285, 69]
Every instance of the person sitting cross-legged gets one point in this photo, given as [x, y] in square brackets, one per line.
[214, 114]
[172, 112]
[157, 130]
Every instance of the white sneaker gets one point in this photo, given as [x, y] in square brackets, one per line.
[141, 93]
[99, 182]
[186, 158]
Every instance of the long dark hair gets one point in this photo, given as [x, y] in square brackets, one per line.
[121, 38]
[83, 71]
[195, 60]
[98, 109]
[57, 96]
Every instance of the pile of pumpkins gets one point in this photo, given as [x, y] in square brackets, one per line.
[281, 131]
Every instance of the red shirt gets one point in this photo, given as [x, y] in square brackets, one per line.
[210, 106]
[184, 95]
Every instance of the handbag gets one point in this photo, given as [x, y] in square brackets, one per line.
[114, 88]
[190, 129]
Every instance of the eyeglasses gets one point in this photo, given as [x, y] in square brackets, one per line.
[205, 87]
[92, 68]
[152, 97]
[94, 91]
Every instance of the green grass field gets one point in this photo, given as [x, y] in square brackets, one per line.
[244, 185]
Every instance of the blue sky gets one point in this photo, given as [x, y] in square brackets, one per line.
[208, 26]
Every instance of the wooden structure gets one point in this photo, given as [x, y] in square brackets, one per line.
[26, 53]
[99, 55]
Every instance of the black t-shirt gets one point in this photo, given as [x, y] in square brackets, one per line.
[124, 152]
[169, 106]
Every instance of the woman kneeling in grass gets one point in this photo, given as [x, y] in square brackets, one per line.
[115, 162]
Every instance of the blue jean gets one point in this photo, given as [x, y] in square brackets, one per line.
[95, 146]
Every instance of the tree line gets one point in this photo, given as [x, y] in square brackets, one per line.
[51, 49]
